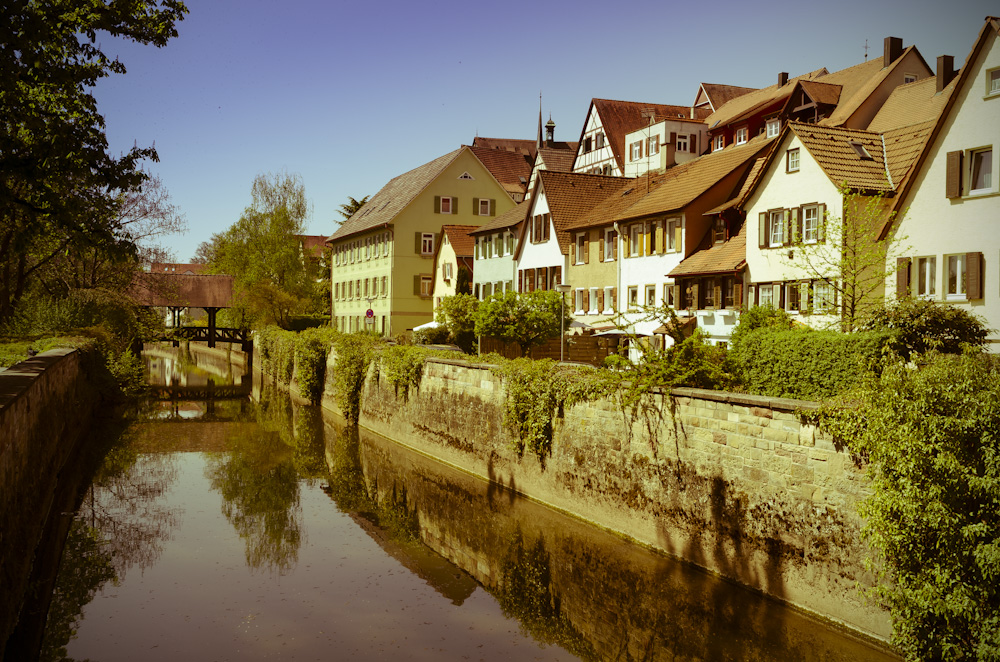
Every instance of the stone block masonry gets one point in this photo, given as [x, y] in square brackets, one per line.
[733, 483]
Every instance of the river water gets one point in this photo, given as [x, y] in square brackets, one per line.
[256, 529]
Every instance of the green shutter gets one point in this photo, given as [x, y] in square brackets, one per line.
[454, 205]
[493, 207]
[821, 220]
[475, 206]
[416, 284]
[417, 244]
[437, 204]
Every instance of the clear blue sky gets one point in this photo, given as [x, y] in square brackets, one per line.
[351, 94]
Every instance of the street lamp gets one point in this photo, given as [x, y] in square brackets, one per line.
[562, 290]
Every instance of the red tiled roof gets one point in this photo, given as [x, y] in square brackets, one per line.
[619, 118]
[190, 268]
[517, 145]
[718, 95]
[508, 167]
[727, 257]
[508, 219]
[560, 160]
[571, 195]
[313, 245]
[458, 237]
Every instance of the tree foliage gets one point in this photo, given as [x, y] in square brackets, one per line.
[458, 315]
[527, 318]
[261, 250]
[919, 325]
[59, 188]
[350, 207]
[851, 259]
[931, 438]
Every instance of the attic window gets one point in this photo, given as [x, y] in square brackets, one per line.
[465, 175]
[862, 152]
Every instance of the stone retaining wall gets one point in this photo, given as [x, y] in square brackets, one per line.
[46, 406]
[736, 484]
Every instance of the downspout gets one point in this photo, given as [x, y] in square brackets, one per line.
[618, 264]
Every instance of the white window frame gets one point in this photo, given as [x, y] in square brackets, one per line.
[681, 143]
[609, 247]
[982, 156]
[955, 277]
[653, 146]
[634, 232]
[810, 224]
[485, 211]
[776, 230]
[792, 160]
[741, 135]
[909, 78]
[446, 270]
[593, 302]
[633, 297]
[719, 142]
[579, 302]
[762, 289]
[672, 225]
[993, 82]
[773, 128]
[607, 301]
[668, 294]
[650, 295]
[426, 286]
[925, 276]
[449, 202]
[635, 153]
[385, 286]
[599, 140]
[824, 298]
[580, 245]
[426, 243]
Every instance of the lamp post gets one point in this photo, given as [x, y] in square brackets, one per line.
[562, 290]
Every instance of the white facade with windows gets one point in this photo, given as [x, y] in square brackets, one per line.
[952, 221]
[665, 143]
[540, 261]
[594, 154]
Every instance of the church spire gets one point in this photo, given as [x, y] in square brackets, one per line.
[538, 142]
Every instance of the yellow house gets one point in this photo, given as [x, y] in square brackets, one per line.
[383, 255]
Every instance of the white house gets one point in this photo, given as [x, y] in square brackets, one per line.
[952, 202]
[493, 252]
[453, 262]
[668, 142]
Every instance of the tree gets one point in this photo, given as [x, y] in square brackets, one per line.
[527, 318]
[848, 257]
[58, 185]
[920, 325]
[931, 439]
[261, 251]
[350, 207]
[458, 315]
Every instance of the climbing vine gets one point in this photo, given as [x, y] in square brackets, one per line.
[354, 355]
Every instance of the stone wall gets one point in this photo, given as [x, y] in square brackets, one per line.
[736, 484]
[46, 406]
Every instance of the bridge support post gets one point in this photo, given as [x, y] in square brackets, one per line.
[211, 325]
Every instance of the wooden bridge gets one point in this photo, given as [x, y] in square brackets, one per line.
[175, 292]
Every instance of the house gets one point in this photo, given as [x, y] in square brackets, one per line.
[712, 96]
[453, 262]
[664, 143]
[493, 252]
[550, 153]
[544, 245]
[801, 255]
[383, 255]
[601, 148]
[669, 223]
[952, 201]
[849, 98]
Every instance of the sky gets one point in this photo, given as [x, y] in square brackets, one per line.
[348, 95]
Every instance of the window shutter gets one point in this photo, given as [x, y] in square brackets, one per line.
[796, 225]
[717, 292]
[902, 277]
[532, 280]
[543, 278]
[737, 295]
[600, 300]
[454, 205]
[437, 204]
[647, 240]
[627, 241]
[695, 300]
[475, 206]
[614, 298]
[821, 221]
[585, 299]
[477, 249]
[678, 236]
[786, 220]
[762, 231]
[974, 276]
[677, 296]
[586, 247]
[660, 235]
[520, 281]
[804, 295]
[557, 276]
[418, 244]
[778, 295]
[673, 138]
[545, 226]
[600, 246]
[953, 180]
[614, 245]
[493, 207]
[416, 284]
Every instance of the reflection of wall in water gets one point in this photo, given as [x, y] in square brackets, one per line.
[582, 588]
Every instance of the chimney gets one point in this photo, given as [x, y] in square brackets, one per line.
[945, 71]
[893, 49]
[782, 78]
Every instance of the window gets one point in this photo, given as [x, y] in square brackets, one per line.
[594, 304]
[633, 296]
[909, 78]
[955, 275]
[636, 153]
[446, 270]
[792, 160]
[366, 288]
[385, 285]
[581, 246]
[766, 295]
[720, 142]
[635, 238]
[609, 300]
[824, 298]
[993, 82]
[682, 143]
[707, 288]
[651, 295]
[810, 224]
[728, 292]
[446, 205]
[719, 230]
[741, 135]
[336, 291]
[610, 237]
[579, 301]
[606, 170]
[861, 151]
[496, 241]
[510, 243]
[599, 141]
[926, 276]
[426, 244]
[773, 127]
[587, 145]
[776, 220]
[674, 235]
[668, 294]
[981, 178]
[654, 145]
[485, 206]
[793, 297]
[426, 286]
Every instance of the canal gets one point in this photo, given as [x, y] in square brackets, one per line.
[247, 527]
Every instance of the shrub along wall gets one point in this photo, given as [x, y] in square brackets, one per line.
[736, 484]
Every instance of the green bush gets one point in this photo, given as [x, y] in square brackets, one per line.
[311, 349]
[354, 355]
[431, 336]
[806, 364]
[402, 365]
[919, 325]
[759, 317]
[931, 437]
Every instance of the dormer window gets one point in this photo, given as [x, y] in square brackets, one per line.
[909, 78]
[720, 142]
[719, 230]
[862, 152]
[741, 135]
[773, 127]
[682, 143]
